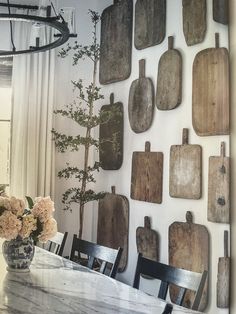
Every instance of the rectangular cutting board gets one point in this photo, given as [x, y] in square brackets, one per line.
[147, 173]
[189, 249]
[150, 23]
[210, 94]
[218, 188]
[111, 135]
[116, 42]
[113, 224]
[185, 169]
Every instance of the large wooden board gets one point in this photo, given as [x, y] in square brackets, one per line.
[150, 23]
[147, 173]
[111, 136]
[221, 11]
[113, 224]
[185, 169]
[194, 21]
[169, 79]
[141, 101]
[116, 42]
[189, 249]
[210, 94]
[218, 188]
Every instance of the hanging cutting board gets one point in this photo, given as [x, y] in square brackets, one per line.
[194, 21]
[146, 178]
[150, 23]
[113, 224]
[111, 136]
[221, 11]
[210, 94]
[185, 169]
[189, 249]
[169, 79]
[141, 101]
[147, 240]
[223, 277]
[218, 188]
[116, 42]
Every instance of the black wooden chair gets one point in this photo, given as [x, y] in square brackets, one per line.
[185, 279]
[107, 256]
[56, 244]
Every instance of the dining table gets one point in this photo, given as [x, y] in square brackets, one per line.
[55, 285]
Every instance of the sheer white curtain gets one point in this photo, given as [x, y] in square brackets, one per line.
[32, 154]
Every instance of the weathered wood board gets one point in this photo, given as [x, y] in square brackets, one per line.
[210, 93]
[147, 173]
[221, 11]
[147, 240]
[141, 101]
[150, 23]
[116, 42]
[189, 249]
[113, 224]
[218, 188]
[185, 169]
[111, 136]
[169, 79]
[194, 21]
[223, 277]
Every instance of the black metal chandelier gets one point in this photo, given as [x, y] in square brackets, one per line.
[57, 22]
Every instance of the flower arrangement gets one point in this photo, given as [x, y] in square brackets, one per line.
[36, 221]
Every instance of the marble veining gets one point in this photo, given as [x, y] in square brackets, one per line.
[55, 285]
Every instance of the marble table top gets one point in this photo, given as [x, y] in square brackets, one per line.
[55, 285]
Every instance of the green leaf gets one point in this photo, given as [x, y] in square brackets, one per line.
[30, 202]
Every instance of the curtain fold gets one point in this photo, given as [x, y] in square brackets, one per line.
[32, 150]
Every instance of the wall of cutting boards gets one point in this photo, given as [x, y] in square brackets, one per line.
[164, 68]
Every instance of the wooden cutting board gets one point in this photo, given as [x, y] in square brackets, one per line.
[185, 169]
[189, 249]
[194, 21]
[113, 224]
[116, 42]
[218, 188]
[221, 11]
[147, 173]
[111, 136]
[223, 277]
[169, 79]
[147, 240]
[150, 23]
[210, 94]
[141, 101]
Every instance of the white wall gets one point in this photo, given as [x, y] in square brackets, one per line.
[165, 131]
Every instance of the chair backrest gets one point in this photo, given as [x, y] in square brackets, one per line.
[185, 279]
[107, 255]
[57, 243]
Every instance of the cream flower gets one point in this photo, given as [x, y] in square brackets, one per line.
[43, 208]
[29, 224]
[5, 203]
[49, 230]
[17, 206]
[9, 225]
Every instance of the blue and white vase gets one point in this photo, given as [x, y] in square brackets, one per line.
[18, 254]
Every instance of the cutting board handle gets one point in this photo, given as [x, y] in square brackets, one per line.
[147, 222]
[185, 136]
[189, 217]
[142, 68]
[111, 98]
[113, 189]
[170, 42]
[222, 149]
[147, 147]
[217, 40]
[226, 254]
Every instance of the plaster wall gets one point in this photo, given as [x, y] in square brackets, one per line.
[165, 131]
